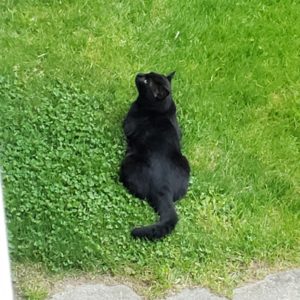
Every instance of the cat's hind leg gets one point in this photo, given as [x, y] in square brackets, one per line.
[134, 174]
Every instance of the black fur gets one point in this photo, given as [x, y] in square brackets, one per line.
[154, 168]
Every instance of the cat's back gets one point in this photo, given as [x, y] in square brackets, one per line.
[157, 128]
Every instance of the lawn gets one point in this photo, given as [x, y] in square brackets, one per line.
[67, 73]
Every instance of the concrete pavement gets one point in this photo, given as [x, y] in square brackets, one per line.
[279, 286]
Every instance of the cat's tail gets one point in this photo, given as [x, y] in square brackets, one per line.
[168, 218]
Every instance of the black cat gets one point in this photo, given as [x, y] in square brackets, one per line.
[154, 168]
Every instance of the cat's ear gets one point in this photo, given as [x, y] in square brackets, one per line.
[170, 76]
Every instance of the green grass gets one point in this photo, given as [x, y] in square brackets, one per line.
[67, 79]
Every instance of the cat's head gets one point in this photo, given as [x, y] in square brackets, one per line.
[153, 87]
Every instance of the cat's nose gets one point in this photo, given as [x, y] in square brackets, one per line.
[139, 78]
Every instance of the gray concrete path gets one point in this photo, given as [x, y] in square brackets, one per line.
[97, 292]
[280, 286]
